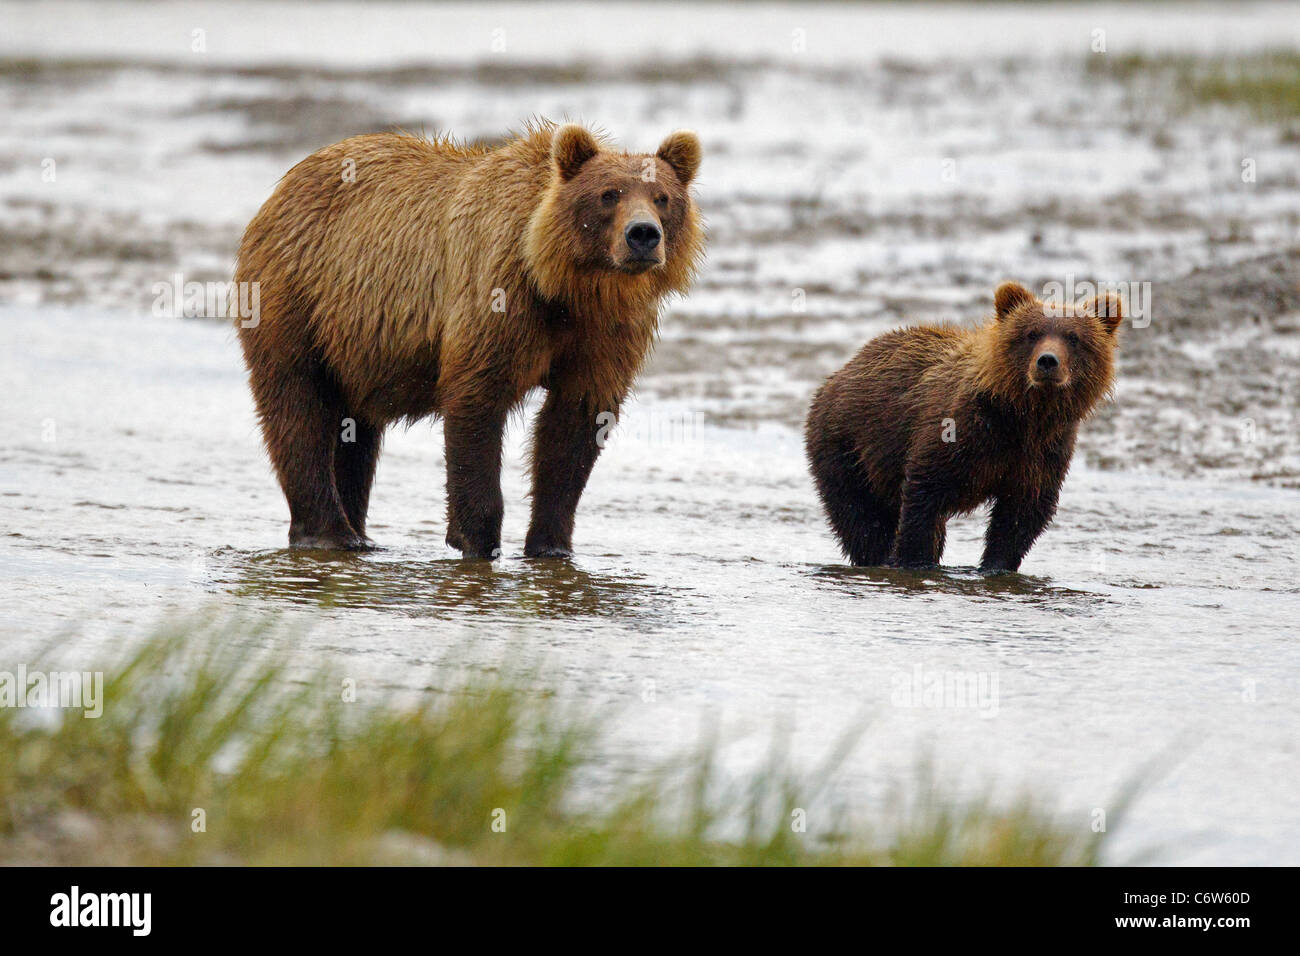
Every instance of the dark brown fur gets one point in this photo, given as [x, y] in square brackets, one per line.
[401, 277]
[876, 430]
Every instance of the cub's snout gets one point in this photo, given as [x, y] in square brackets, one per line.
[1050, 364]
[642, 238]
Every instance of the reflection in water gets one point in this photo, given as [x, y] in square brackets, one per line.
[526, 589]
[959, 581]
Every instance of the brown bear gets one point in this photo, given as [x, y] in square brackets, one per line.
[929, 422]
[401, 277]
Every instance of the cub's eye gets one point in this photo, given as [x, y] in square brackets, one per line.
[661, 201]
[609, 197]
[1072, 338]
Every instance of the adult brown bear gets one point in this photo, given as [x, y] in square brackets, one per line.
[401, 277]
[929, 422]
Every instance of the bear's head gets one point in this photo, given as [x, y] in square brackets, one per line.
[1058, 356]
[616, 220]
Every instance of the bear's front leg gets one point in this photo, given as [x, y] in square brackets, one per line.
[567, 439]
[1015, 524]
[1021, 513]
[474, 504]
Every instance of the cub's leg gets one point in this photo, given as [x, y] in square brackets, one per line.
[301, 415]
[922, 524]
[1021, 514]
[863, 521]
[474, 504]
[354, 469]
[1015, 524]
[565, 447]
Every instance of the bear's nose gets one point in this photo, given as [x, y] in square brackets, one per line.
[1047, 362]
[642, 236]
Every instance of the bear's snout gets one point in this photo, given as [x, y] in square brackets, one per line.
[1048, 365]
[642, 237]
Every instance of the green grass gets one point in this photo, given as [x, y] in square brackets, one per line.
[1267, 83]
[286, 772]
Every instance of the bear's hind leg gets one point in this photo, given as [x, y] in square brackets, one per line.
[302, 417]
[922, 524]
[354, 471]
[862, 520]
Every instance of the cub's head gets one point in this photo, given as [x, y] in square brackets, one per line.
[609, 215]
[1062, 356]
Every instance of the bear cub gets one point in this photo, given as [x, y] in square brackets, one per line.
[928, 422]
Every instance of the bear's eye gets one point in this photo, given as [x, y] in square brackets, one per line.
[1072, 338]
[662, 200]
[609, 197]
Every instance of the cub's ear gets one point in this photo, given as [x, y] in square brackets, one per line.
[1109, 308]
[681, 151]
[572, 146]
[1009, 297]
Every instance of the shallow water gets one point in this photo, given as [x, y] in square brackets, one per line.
[1156, 619]
[1149, 616]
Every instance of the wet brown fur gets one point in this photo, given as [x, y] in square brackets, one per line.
[875, 431]
[451, 280]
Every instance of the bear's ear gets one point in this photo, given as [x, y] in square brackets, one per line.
[1009, 297]
[682, 152]
[572, 146]
[1109, 308]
